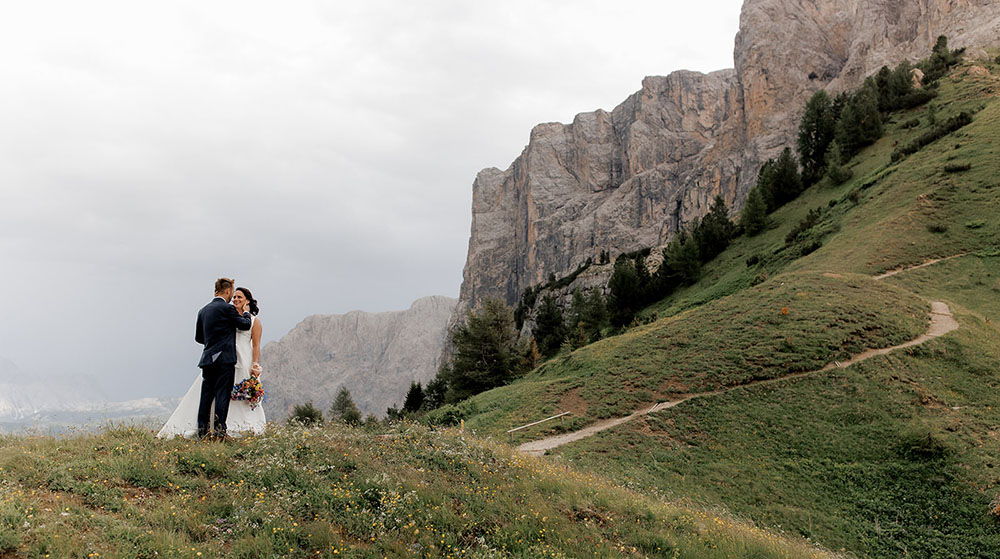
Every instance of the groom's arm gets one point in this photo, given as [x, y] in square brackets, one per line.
[199, 335]
[241, 322]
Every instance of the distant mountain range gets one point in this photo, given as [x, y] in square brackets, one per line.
[58, 405]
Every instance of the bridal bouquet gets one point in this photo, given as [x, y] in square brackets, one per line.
[249, 390]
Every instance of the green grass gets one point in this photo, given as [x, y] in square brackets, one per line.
[337, 491]
[840, 457]
[895, 456]
[798, 322]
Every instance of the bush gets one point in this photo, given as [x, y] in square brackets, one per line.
[975, 224]
[306, 414]
[952, 124]
[807, 223]
[753, 260]
[937, 227]
[912, 123]
[810, 248]
[957, 167]
[919, 443]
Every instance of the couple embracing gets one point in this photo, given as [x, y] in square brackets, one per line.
[228, 328]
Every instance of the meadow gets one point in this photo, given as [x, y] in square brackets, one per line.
[338, 491]
[892, 457]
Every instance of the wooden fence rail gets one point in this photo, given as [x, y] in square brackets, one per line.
[559, 417]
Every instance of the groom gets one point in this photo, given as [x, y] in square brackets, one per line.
[216, 330]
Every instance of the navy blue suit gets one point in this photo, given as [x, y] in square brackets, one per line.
[216, 330]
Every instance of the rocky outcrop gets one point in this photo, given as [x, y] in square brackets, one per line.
[375, 355]
[631, 178]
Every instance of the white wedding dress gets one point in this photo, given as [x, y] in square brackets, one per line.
[241, 420]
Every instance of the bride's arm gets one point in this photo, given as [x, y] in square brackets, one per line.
[255, 338]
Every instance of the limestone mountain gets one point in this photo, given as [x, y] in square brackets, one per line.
[374, 355]
[632, 177]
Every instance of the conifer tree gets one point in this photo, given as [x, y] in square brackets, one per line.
[344, 408]
[835, 170]
[549, 329]
[434, 392]
[785, 181]
[816, 131]
[713, 233]
[414, 398]
[488, 352]
[623, 288]
[753, 218]
[681, 263]
[860, 123]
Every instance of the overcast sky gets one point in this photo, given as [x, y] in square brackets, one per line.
[322, 153]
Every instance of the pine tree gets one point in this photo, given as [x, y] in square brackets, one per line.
[488, 352]
[786, 183]
[414, 398]
[549, 329]
[344, 408]
[860, 123]
[816, 131]
[835, 170]
[434, 392]
[588, 315]
[714, 231]
[623, 288]
[753, 218]
[681, 261]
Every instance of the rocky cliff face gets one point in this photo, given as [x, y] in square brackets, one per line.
[374, 355]
[631, 178]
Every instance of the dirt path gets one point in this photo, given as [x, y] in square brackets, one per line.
[942, 322]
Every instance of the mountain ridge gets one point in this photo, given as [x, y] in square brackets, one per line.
[374, 355]
[631, 178]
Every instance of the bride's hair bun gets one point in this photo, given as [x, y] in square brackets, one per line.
[253, 302]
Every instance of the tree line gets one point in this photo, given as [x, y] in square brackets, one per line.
[834, 130]
[488, 350]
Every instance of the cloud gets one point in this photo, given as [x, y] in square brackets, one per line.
[321, 152]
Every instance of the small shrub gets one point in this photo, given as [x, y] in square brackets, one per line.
[997, 59]
[912, 123]
[957, 167]
[306, 414]
[753, 260]
[975, 224]
[807, 223]
[952, 124]
[937, 228]
[759, 278]
[810, 248]
[920, 443]
[854, 196]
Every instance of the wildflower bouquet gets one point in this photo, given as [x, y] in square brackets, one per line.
[249, 390]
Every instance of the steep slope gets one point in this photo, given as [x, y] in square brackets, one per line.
[894, 456]
[631, 178]
[374, 355]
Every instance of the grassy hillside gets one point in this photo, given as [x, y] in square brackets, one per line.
[892, 457]
[337, 492]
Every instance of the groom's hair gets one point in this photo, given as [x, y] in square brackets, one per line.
[223, 284]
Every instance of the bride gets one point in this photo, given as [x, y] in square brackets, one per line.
[242, 419]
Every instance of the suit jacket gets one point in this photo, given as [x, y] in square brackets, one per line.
[216, 330]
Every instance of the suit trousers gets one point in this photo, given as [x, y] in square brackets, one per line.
[216, 386]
